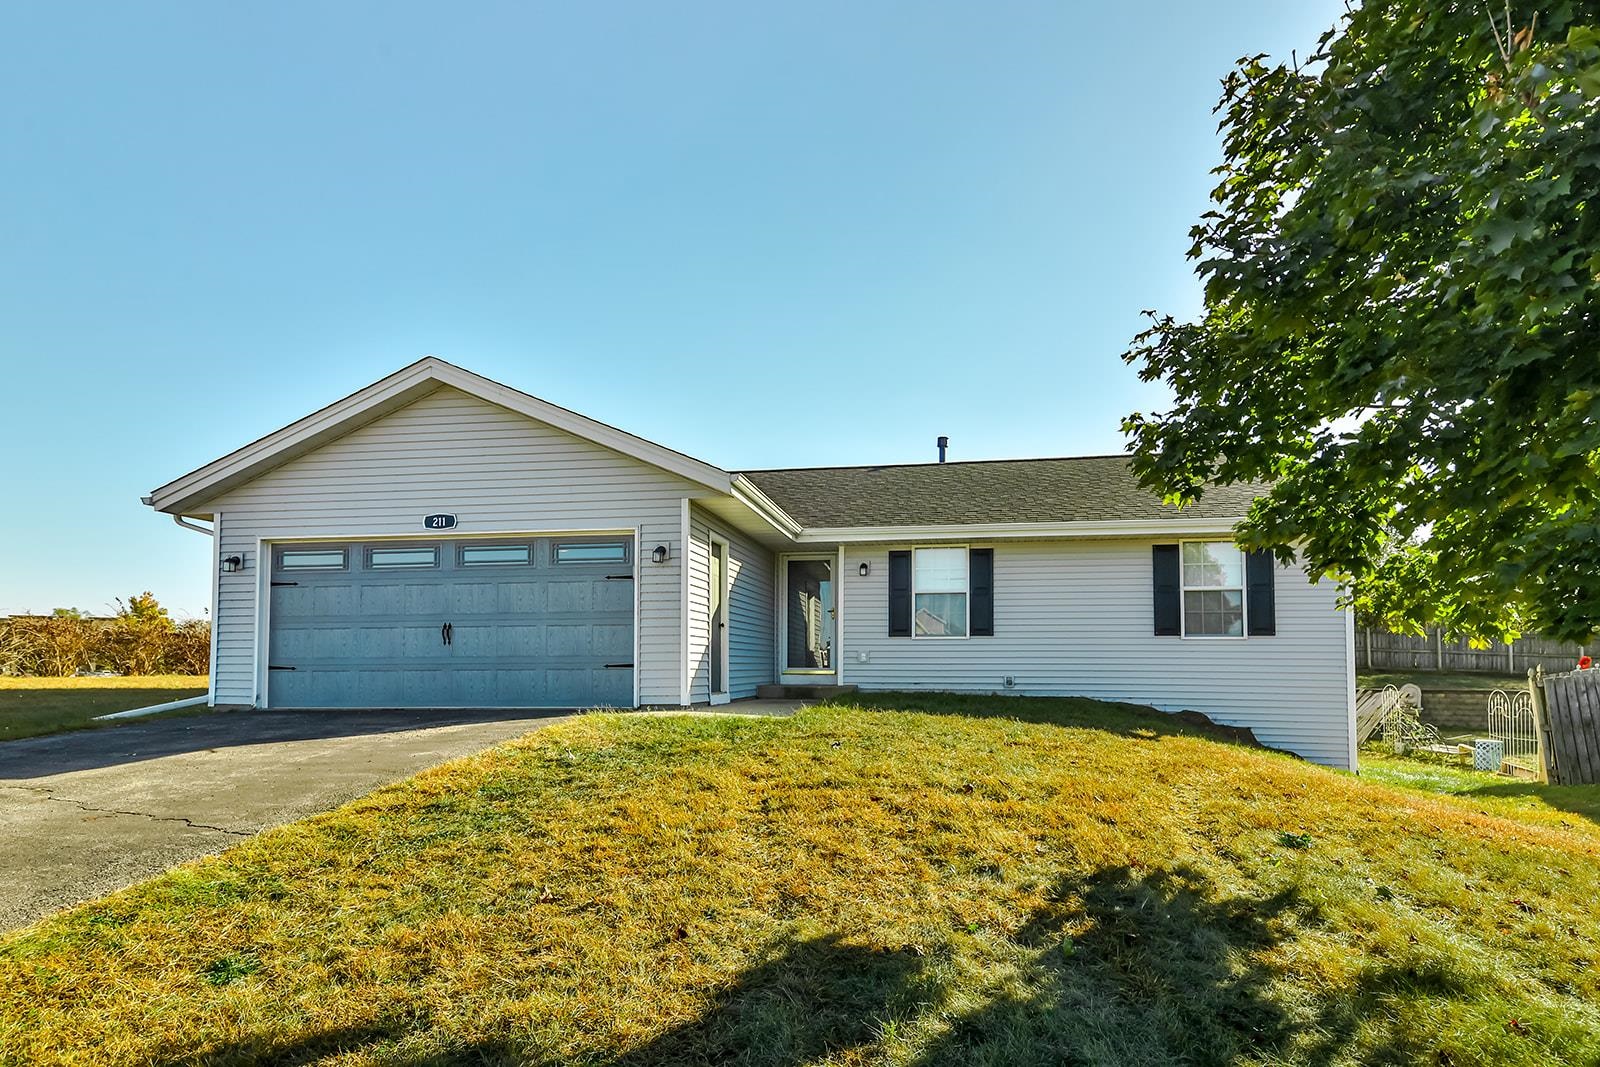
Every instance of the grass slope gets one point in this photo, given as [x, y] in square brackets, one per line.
[955, 882]
[1568, 807]
[33, 706]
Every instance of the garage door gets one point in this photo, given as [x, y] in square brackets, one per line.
[530, 623]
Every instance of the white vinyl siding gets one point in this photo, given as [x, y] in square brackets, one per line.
[752, 596]
[1074, 618]
[498, 471]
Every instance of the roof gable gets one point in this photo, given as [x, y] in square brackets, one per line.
[392, 393]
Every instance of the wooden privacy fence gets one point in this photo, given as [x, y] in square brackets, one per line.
[1566, 709]
[1380, 650]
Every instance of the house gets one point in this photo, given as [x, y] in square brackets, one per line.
[439, 539]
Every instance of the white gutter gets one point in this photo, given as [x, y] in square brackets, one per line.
[154, 709]
[187, 525]
[993, 530]
[746, 492]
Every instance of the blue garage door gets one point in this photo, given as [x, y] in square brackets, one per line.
[526, 623]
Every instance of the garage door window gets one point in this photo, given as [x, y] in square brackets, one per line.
[380, 558]
[480, 555]
[592, 552]
[312, 560]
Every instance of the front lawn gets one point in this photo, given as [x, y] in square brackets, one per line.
[928, 881]
[33, 706]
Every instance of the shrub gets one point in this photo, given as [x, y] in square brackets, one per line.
[141, 638]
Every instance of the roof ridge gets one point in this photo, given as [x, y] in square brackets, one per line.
[935, 463]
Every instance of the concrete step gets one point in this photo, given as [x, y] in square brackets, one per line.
[803, 692]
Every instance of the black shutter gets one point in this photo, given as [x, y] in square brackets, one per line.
[1164, 578]
[900, 594]
[1261, 608]
[980, 579]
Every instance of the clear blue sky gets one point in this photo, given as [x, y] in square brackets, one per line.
[764, 235]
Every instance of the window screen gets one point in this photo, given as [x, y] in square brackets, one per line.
[939, 592]
[1213, 589]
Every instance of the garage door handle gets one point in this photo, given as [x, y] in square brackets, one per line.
[447, 634]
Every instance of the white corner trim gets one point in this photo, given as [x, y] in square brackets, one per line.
[685, 675]
[1350, 684]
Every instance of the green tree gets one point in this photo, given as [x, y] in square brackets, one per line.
[1400, 332]
[140, 633]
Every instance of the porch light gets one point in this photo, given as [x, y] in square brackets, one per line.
[864, 570]
[230, 564]
[659, 554]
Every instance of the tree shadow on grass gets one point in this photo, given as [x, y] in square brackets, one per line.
[1580, 800]
[814, 999]
[1124, 966]
[1133, 969]
[810, 1000]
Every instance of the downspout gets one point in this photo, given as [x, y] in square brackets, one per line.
[187, 525]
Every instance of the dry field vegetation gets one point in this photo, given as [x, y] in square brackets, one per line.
[33, 706]
[932, 880]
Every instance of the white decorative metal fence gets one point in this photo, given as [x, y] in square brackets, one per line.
[1511, 722]
[1398, 721]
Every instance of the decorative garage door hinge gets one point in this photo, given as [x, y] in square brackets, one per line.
[618, 666]
[275, 667]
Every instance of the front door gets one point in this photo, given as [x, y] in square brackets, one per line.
[719, 621]
[809, 612]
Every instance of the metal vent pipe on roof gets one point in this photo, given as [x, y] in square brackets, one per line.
[944, 443]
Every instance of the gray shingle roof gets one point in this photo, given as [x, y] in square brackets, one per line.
[1075, 489]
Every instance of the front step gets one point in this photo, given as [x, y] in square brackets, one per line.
[803, 692]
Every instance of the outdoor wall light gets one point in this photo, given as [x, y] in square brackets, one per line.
[864, 570]
[231, 564]
[659, 555]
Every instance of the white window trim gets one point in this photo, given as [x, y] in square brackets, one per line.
[967, 628]
[1243, 587]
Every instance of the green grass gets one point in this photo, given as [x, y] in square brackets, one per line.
[1442, 680]
[1564, 806]
[924, 881]
[33, 706]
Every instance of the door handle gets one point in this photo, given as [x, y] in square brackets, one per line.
[447, 634]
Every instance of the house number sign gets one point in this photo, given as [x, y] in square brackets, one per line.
[439, 522]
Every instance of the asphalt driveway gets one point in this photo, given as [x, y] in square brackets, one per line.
[84, 814]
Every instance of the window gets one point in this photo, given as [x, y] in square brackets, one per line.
[939, 592]
[592, 552]
[1213, 589]
[477, 555]
[378, 558]
[329, 559]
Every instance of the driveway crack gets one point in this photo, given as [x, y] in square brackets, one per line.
[49, 794]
